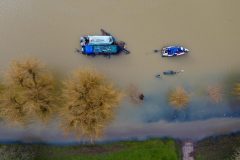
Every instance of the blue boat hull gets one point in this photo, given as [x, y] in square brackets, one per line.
[100, 49]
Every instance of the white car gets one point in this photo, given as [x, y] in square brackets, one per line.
[96, 40]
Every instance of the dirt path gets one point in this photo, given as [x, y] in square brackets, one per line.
[187, 150]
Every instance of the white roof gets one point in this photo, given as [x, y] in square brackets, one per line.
[100, 40]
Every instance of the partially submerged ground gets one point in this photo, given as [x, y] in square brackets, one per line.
[218, 148]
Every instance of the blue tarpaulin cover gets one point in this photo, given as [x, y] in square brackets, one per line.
[88, 49]
[175, 49]
[92, 49]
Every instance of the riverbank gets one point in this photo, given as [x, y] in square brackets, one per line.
[218, 147]
[151, 149]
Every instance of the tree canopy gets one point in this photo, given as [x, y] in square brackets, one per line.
[179, 98]
[90, 103]
[29, 91]
[237, 90]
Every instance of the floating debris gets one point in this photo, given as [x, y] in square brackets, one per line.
[135, 95]
[141, 96]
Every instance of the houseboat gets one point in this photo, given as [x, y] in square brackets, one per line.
[104, 44]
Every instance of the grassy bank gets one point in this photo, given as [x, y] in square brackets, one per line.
[217, 148]
[130, 150]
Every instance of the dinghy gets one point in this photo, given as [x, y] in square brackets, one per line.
[172, 51]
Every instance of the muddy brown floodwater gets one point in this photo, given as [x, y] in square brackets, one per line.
[50, 31]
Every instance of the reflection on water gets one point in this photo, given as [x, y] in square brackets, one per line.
[50, 31]
[156, 108]
[194, 130]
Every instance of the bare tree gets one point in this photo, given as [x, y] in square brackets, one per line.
[215, 93]
[179, 98]
[90, 103]
[29, 92]
[12, 107]
[134, 93]
[237, 90]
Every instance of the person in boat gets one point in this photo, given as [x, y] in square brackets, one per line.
[171, 72]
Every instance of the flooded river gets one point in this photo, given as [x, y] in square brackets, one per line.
[50, 31]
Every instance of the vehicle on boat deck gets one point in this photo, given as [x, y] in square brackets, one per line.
[172, 51]
[96, 40]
